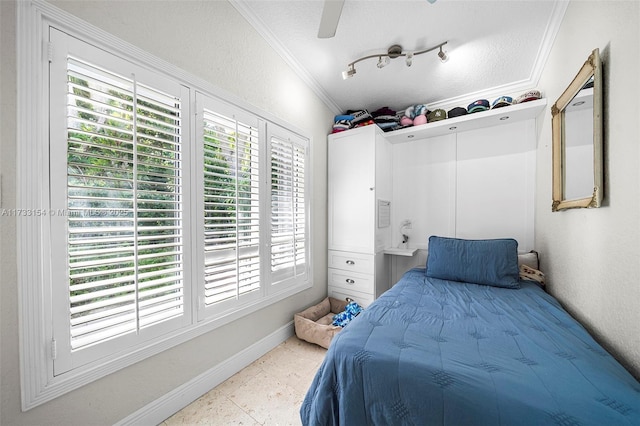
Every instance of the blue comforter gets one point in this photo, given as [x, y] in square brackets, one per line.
[435, 352]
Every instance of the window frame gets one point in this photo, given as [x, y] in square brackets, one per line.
[34, 250]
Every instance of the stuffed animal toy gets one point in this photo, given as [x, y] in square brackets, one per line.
[528, 273]
[350, 312]
[406, 121]
[420, 119]
[414, 115]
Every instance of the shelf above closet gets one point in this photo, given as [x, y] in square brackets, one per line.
[478, 120]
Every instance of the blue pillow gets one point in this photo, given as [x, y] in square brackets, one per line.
[488, 262]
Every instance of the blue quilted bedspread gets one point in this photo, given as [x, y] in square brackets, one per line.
[435, 352]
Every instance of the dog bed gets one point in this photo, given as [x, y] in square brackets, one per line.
[315, 324]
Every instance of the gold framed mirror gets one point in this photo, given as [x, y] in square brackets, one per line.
[576, 123]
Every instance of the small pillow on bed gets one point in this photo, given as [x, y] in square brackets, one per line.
[528, 273]
[488, 262]
[529, 259]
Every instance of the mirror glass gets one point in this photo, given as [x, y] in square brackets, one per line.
[577, 140]
[578, 145]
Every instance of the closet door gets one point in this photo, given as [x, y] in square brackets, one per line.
[351, 187]
[496, 183]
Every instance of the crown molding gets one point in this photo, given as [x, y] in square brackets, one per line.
[550, 33]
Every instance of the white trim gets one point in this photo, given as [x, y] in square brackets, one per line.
[172, 402]
[258, 25]
[32, 328]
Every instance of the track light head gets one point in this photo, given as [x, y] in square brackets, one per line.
[383, 62]
[349, 73]
[443, 55]
[409, 59]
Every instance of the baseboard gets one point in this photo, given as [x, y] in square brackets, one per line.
[165, 406]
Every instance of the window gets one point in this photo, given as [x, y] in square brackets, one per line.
[252, 192]
[231, 158]
[169, 212]
[288, 207]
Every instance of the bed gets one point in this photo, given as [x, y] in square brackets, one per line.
[457, 343]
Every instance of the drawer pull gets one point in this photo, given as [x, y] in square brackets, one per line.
[350, 281]
[350, 262]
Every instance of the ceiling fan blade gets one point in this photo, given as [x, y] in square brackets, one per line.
[330, 16]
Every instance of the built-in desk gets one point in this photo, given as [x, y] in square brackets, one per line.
[396, 251]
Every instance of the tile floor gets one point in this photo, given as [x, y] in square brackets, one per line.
[267, 392]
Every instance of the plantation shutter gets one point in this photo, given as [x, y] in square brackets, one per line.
[289, 240]
[123, 208]
[101, 205]
[231, 206]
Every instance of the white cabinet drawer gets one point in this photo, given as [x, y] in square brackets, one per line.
[351, 280]
[363, 299]
[349, 261]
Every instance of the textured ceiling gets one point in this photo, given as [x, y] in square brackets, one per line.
[495, 48]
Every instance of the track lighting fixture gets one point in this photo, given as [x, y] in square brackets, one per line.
[393, 52]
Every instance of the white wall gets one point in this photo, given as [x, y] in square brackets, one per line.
[475, 184]
[211, 40]
[592, 257]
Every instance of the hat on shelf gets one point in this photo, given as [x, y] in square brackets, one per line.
[502, 101]
[456, 112]
[531, 95]
[437, 115]
[477, 106]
